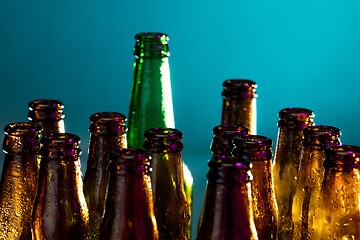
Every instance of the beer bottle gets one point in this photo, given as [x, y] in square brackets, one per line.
[60, 210]
[19, 179]
[227, 210]
[222, 142]
[107, 132]
[257, 150]
[239, 103]
[129, 211]
[151, 98]
[170, 203]
[49, 114]
[338, 215]
[286, 162]
[305, 202]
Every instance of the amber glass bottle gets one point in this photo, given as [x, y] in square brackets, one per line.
[19, 179]
[47, 113]
[170, 203]
[129, 211]
[286, 162]
[222, 142]
[305, 202]
[227, 209]
[239, 103]
[60, 210]
[257, 149]
[107, 132]
[338, 215]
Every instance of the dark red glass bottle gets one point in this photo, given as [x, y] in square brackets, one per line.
[49, 114]
[107, 132]
[227, 209]
[19, 179]
[60, 210]
[129, 211]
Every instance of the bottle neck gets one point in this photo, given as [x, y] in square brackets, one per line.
[228, 185]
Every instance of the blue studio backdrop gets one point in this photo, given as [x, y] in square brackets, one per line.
[300, 53]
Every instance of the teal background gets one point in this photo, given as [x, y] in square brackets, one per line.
[300, 53]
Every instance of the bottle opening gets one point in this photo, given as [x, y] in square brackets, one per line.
[108, 116]
[230, 129]
[252, 141]
[321, 136]
[163, 133]
[152, 36]
[342, 157]
[22, 128]
[296, 117]
[239, 89]
[45, 103]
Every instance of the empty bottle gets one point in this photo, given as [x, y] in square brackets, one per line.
[257, 150]
[151, 98]
[307, 193]
[19, 179]
[129, 211]
[60, 210]
[338, 215]
[227, 210]
[286, 162]
[107, 132]
[47, 113]
[170, 203]
[239, 103]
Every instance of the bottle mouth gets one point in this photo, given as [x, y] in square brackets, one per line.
[226, 170]
[230, 129]
[295, 116]
[22, 128]
[46, 110]
[161, 133]
[342, 157]
[108, 116]
[321, 135]
[152, 36]
[129, 161]
[60, 146]
[252, 141]
[239, 89]
[45, 103]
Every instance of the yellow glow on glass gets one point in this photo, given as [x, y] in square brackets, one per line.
[166, 105]
[187, 175]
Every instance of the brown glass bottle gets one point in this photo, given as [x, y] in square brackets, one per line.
[286, 162]
[257, 150]
[338, 215]
[227, 209]
[47, 113]
[305, 202]
[60, 210]
[239, 103]
[129, 211]
[107, 132]
[19, 179]
[170, 203]
[222, 144]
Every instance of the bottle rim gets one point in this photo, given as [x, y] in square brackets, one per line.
[23, 128]
[342, 157]
[108, 117]
[230, 129]
[252, 141]
[152, 36]
[162, 133]
[45, 103]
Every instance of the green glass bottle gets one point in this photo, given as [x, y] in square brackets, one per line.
[151, 99]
